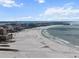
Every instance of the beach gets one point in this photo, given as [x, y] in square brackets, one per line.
[30, 43]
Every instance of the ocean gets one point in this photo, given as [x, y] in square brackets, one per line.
[69, 33]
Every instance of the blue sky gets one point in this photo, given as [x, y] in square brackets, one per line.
[39, 10]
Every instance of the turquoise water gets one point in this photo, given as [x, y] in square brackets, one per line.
[66, 32]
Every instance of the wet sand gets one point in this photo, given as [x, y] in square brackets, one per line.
[30, 43]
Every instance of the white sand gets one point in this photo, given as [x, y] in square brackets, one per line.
[31, 44]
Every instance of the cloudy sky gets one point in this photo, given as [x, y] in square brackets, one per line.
[39, 10]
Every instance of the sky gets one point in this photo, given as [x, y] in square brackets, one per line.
[39, 10]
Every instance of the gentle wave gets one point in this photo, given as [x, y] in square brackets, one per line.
[46, 34]
[57, 39]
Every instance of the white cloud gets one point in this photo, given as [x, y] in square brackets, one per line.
[18, 18]
[40, 1]
[67, 12]
[10, 3]
[21, 18]
[25, 17]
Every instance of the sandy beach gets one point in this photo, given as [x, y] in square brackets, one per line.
[30, 43]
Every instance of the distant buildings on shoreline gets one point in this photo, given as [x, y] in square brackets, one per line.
[18, 26]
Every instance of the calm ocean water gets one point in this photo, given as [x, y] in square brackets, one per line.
[68, 33]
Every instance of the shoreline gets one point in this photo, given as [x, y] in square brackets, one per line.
[30, 43]
[56, 39]
[63, 47]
